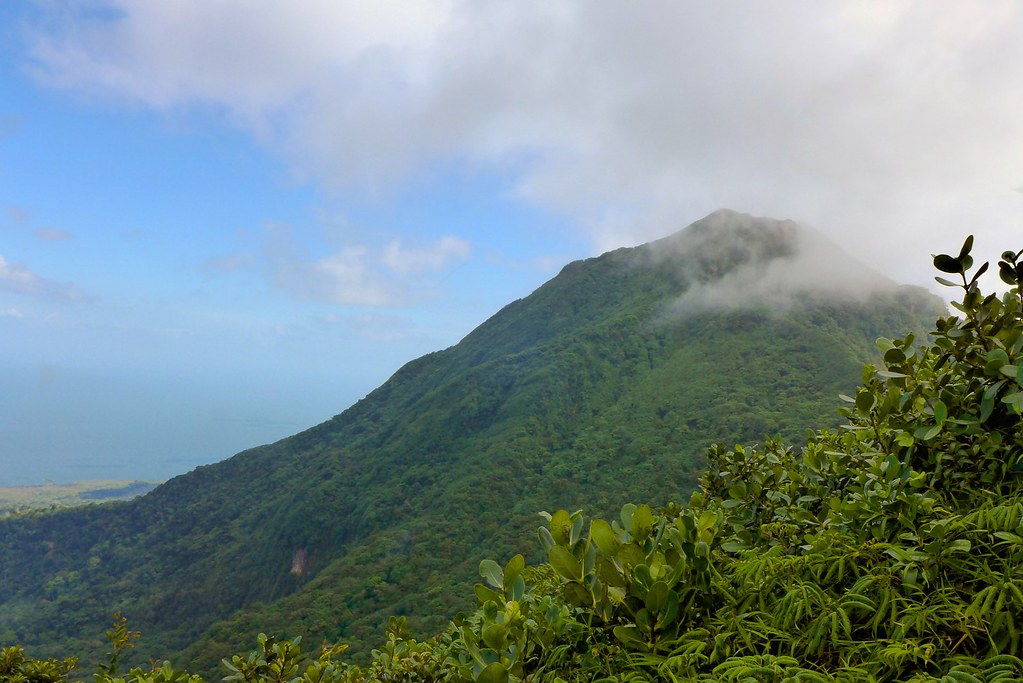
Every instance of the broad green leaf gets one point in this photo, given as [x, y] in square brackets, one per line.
[642, 522]
[1007, 274]
[967, 247]
[645, 621]
[630, 555]
[657, 596]
[577, 595]
[641, 575]
[987, 406]
[517, 589]
[470, 642]
[484, 594]
[1015, 400]
[705, 525]
[961, 545]
[947, 264]
[670, 611]
[904, 439]
[494, 673]
[608, 572]
[888, 374]
[496, 636]
[626, 516]
[894, 356]
[604, 537]
[491, 571]
[561, 527]
[980, 271]
[512, 570]
[564, 562]
[996, 358]
[940, 412]
[1009, 537]
[630, 636]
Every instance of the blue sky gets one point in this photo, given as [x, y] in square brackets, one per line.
[222, 222]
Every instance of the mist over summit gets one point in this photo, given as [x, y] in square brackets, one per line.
[733, 261]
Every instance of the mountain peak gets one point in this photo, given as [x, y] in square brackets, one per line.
[740, 237]
[736, 260]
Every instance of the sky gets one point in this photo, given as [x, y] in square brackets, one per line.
[225, 221]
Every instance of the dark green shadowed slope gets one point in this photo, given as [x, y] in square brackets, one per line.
[606, 385]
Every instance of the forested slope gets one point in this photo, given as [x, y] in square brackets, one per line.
[605, 385]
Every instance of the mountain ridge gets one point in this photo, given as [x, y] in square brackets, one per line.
[586, 392]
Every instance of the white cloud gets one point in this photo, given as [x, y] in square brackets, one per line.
[53, 235]
[224, 265]
[18, 279]
[373, 327]
[11, 312]
[17, 215]
[890, 123]
[350, 274]
[249, 56]
[410, 260]
[772, 264]
[343, 277]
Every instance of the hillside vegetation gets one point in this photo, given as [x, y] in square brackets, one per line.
[890, 549]
[605, 385]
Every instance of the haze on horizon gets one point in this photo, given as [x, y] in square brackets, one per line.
[224, 222]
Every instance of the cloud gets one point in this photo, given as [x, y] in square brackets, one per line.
[11, 312]
[18, 279]
[887, 123]
[17, 215]
[360, 276]
[343, 277]
[404, 260]
[350, 274]
[372, 327]
[53, 235]
[232, 263]
[735, 261]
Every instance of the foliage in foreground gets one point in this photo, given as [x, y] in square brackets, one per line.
[888, 550]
